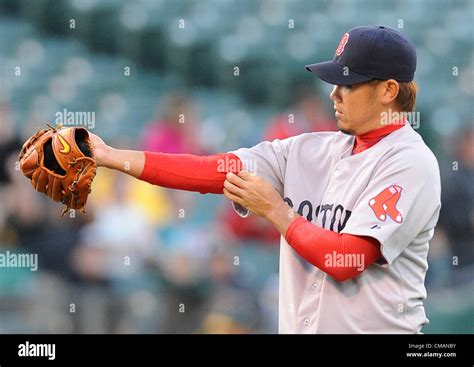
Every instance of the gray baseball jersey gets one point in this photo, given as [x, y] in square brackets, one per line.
[390, 192]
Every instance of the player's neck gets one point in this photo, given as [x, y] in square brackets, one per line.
[385, 120]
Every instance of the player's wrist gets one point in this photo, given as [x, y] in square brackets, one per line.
[103, 156]
[275, 210]
[281, 215]
[101, 151]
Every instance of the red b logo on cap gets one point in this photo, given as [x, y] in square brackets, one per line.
[342, 43]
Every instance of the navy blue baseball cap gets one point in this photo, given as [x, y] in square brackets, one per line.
[366, 53]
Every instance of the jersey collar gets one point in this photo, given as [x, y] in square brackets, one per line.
[369, 139]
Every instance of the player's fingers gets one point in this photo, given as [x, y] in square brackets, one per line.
[249, 176]
[236, 180]
[245, 175]
[232, 197]
[234, 189]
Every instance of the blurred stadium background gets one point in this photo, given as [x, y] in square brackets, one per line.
[151, 260]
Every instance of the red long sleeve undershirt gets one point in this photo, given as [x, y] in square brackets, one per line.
[342, 256]
[206, 174]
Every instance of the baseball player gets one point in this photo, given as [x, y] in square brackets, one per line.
[355, 208]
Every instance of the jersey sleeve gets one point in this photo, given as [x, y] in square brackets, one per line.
[401, 202]
[267, 159]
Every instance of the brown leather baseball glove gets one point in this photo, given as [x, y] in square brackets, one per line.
[60, 163]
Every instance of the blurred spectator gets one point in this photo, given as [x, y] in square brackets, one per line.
[248, 229]
[174, 131]
[457, 214]
[231, 311]
[117, 242]
[268, 300]
[10, 144]
[232, 308]
[151, 201]
[307, 114]
[112, 252]
[181, 264]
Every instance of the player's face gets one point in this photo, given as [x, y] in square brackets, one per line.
[356, 107]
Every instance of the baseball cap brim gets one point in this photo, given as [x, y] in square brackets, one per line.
[333, 73]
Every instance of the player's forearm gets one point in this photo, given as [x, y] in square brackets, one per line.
[316, 245]
[325, 249]
[131, 162]
[204, 174]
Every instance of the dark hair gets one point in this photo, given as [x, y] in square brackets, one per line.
[406, 97]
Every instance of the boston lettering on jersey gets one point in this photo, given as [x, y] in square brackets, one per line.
[330, 214]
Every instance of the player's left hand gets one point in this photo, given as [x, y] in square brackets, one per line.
[101, 150]
[252, 192]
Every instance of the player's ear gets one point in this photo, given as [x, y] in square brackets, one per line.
[390, 91]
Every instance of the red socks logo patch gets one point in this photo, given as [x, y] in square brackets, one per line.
[385, 204]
